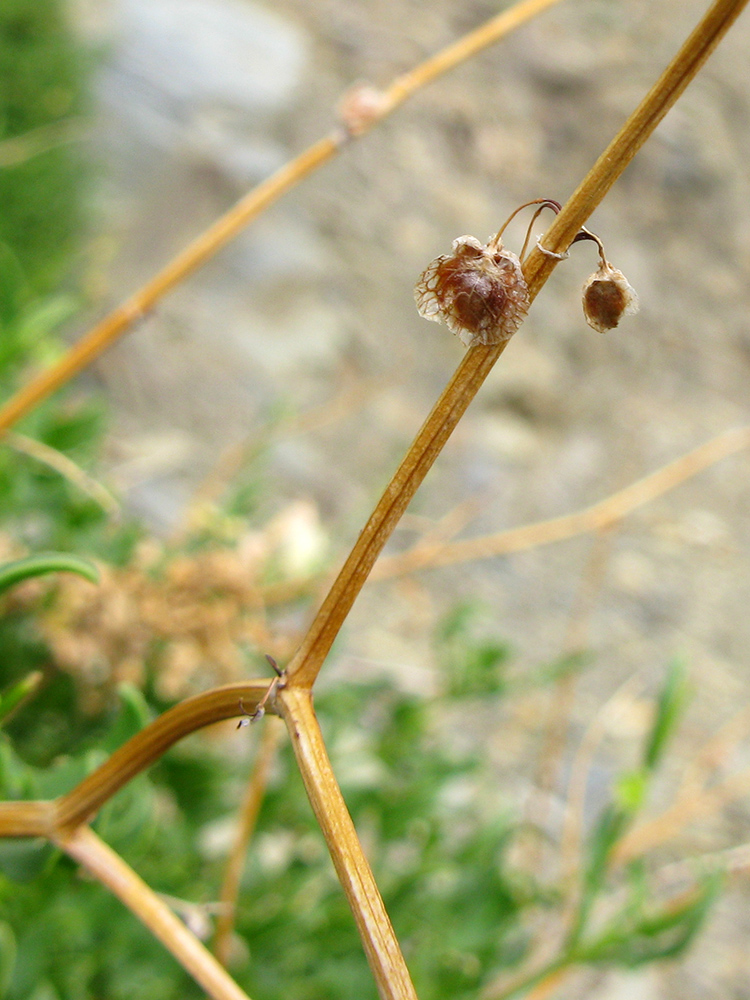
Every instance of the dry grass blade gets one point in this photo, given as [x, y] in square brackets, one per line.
[22, 148]
[84, 846]
[684, 810]
[599, 517]
[434, 550]
[380, 943]
[453, 55]
[617, 704]
[479, 360]
[55, 459]
[113, 326]
[120, 320]
[248, 816]
[551, 763]
[230, 462]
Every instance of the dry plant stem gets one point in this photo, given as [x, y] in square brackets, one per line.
[715, 751]
[41, 819]
[229, 463]
[381, 947]
[256, 789]
[479, 360]
[108, 868]
[476, 365]
[551, 981]
[571, 842]
[592, 580]
[636, 130]
[113, 326]
[139, 304]
[452, 55]
[432, 552]
[543, 980]
[598, 517]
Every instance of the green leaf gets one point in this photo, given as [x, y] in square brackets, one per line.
[50, 562]
[18, 692]
[606, 834]
[630, 790]
[669, 708]
[633, 939]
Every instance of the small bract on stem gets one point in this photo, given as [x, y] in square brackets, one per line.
[260, 711]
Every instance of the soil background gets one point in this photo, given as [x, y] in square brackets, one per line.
[200, 99]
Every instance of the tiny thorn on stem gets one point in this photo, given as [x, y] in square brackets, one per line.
[277, 669]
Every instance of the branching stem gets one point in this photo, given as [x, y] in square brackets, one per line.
[479, 360]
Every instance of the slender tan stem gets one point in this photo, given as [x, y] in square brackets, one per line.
[27, 819]
[304, 667]
[434, 551]
[120, 320]
[256, 790]
[227, 702]
[466, 47]
[636, 130]
[380, 943]
[38, 819]
[108, 868]
[551, 761]
[113, 326]
[479, 360]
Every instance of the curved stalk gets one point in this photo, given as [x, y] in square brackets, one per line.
[41, 819]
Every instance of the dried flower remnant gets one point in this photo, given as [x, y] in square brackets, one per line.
[607, 297]
[478, 291]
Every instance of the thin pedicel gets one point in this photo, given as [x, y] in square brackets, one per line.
[480, 293]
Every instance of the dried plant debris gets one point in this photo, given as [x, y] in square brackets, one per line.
[189, 619]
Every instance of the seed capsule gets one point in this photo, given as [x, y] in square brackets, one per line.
[607, 297]
[478, 291]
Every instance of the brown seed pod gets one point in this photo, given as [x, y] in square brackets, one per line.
[607, 297]
[478, 291]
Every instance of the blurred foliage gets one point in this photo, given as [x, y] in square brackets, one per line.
[43, 72]
[43, 80]
[452, 901]
[435, 829]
